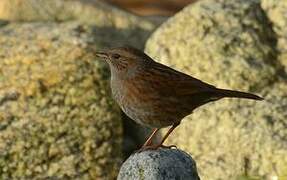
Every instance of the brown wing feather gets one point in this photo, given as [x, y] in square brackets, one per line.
[177, 89]
[175, 82]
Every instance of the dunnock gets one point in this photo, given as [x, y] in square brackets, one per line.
[156, 95]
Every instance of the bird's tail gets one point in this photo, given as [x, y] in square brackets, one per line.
[237, 94]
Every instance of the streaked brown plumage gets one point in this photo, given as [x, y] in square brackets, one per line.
[156, 95]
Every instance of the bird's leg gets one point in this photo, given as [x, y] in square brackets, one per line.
[166, 135]
[149, 139]
[154, 147]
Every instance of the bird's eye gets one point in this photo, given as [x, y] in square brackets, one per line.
[116, 56]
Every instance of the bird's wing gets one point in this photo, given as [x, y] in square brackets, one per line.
[177, 83]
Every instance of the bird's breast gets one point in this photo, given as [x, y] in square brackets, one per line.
[142, 103]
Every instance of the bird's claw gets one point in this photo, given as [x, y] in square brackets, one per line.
[154, 147]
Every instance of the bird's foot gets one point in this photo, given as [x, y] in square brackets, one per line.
[154, 147]
[168, 147]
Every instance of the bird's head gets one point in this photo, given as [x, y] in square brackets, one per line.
[124, 59]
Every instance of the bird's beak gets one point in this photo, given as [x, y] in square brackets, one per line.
[102, 55]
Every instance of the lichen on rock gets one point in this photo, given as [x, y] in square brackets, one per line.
[276, 12]
[210, 39]
[63, 124]
[86, 11]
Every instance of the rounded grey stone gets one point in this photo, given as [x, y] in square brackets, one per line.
[161, 164]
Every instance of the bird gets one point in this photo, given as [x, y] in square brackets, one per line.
[155, 95]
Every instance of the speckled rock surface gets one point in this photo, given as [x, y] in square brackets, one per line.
[57, 118]
[88, 11]
[112, 20]
[276, 11]
[210, 39]
[231, 45]
[161, 165]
